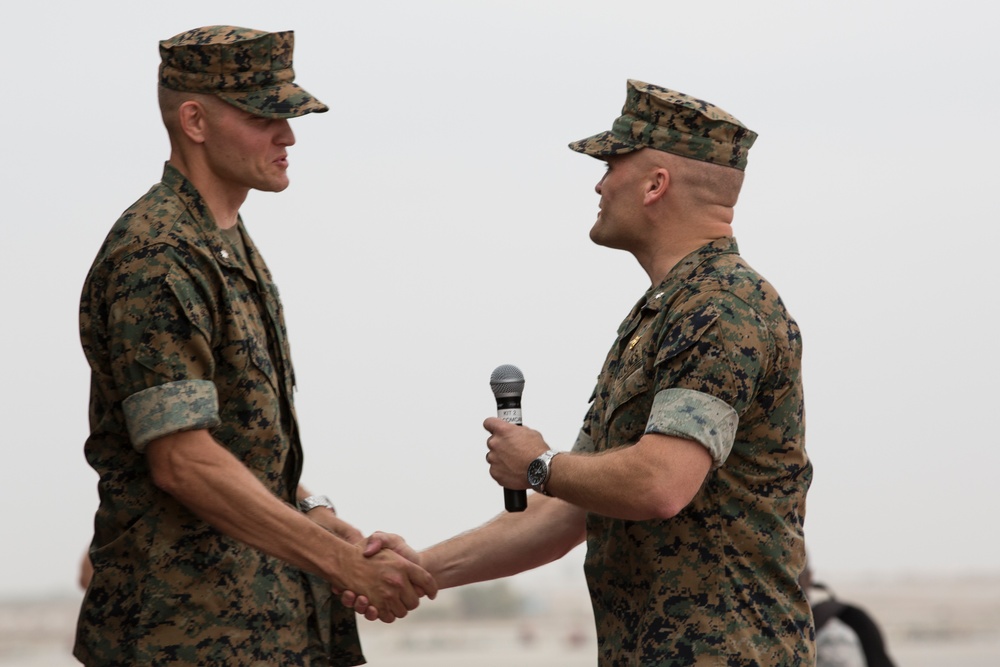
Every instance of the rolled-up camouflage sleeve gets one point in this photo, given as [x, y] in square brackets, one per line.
[162, 361]
[169, 408]
[697, 416]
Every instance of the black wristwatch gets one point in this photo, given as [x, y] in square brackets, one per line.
[539, 471]
[312, 502]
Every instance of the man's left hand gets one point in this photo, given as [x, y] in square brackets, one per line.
[512, 448]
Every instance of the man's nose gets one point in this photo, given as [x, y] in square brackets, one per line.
[285, 136]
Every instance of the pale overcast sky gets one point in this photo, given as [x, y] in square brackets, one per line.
[436, 227]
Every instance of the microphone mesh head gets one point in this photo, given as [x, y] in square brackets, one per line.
[506, 381]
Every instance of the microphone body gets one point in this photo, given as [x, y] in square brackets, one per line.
[507, 383]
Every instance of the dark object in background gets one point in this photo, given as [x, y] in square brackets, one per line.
[859, 620]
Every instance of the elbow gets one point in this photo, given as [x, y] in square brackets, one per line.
[674, 478]
[665, 501]
[165, 474]
[666, 507]
[559, 548]
[170, 461]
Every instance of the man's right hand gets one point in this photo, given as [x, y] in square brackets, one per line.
[386, 543]
[391, 578]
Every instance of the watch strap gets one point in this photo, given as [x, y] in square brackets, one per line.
[548, 472]
[312, 502]
[546, 460]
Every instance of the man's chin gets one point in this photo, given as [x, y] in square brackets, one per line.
[606, 241]
[273, 186]
[596, 236]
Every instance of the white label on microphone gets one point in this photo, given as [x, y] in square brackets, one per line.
[510, 415]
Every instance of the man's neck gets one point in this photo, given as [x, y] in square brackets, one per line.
[672, 248]
[223, 201]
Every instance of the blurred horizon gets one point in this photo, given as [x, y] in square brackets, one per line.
[926, 623]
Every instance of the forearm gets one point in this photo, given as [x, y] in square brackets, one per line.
[207, 479]
[653, 479]
[328, 519]
[510, 543]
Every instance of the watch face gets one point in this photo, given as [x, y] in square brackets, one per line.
[536, 472]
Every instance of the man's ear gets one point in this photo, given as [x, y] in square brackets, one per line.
[656, 188]
[192, 117]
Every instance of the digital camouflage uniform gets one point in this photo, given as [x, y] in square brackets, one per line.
[710, 347]
[183, 329]
[711, 355]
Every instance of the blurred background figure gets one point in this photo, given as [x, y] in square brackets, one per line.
[846, 635]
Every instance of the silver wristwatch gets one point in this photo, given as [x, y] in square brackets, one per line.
[539, 471]
[312, 502]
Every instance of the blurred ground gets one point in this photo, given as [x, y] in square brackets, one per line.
[927, 621]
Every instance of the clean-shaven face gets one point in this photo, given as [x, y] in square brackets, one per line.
[619, 219]
[248, 151]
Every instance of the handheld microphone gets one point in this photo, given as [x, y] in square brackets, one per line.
[507, 383]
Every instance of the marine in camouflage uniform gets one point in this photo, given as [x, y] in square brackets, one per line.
[701, 391]
[711, 355]
[183, 329]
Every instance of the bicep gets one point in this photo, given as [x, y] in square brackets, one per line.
[683, 465]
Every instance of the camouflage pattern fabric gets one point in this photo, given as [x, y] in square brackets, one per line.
[181, 333]
[660, 118]
[716, 584]
[248, 68]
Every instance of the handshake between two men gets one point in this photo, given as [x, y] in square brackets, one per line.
[398, 575]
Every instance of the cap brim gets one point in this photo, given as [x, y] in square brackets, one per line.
[288, 100]
[604, 145]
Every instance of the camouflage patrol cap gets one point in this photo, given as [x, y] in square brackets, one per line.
[655, 117]
[250, 69]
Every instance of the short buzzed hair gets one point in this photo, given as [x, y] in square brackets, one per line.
[170, 101]
[712, 183]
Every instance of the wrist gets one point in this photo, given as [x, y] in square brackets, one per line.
[312, 502]
[540, 472]
[341, 562]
